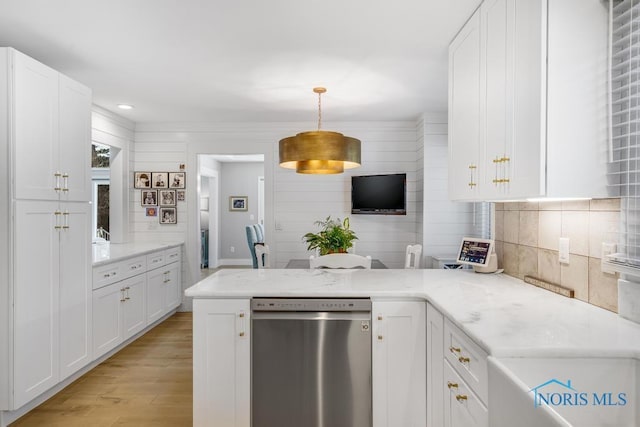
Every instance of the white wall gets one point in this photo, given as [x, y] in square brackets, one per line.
[238, 179]
[445, 222]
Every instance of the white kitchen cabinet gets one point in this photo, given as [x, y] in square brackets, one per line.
[221, 362]
[398, 363]
[119, 313]
[542, 109]
[464, 111]
[52, 305]
[435, 368]
[163, 283]
[462, 407]
[52, 117]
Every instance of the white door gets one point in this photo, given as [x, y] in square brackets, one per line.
[398, 364]
[172, 288]
[134, 318]
[464, 112]
[75, 288]
[221, 390]
[155, 294]
[107, 318]
[75, 139]
[35, 95]
[36, 276]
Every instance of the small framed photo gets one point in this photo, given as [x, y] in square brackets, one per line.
[238, 203]
[142, 180]
[181, 195]
[149, 198]
[159, 180]
[177, 180]
[168, 216]
[166, 197]
[151, 211]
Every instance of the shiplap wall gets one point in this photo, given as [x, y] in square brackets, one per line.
[445, 222]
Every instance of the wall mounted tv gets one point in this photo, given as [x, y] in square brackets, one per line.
[379, 194]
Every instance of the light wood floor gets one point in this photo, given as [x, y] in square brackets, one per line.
[148, 383]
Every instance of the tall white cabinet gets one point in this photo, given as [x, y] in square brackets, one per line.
[531, 104]
[47, 250]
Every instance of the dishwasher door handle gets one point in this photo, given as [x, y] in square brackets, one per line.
[324, 315]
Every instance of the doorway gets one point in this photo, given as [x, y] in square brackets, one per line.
[222, 228]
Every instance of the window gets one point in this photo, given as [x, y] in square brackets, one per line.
[100, 158]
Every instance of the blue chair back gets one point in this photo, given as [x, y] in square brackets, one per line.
[255, 234]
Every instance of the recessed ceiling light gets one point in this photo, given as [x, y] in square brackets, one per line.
[125, 106]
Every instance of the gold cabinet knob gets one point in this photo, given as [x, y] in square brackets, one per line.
[461, 397]
[241, 334]
[379, 317]
[463, 359]
[454, 349]
[241, 315]
[380, 337]
[452, 385]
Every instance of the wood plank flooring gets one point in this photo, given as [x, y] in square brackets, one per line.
[148, 383]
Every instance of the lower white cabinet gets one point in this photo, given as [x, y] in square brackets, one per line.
[435, 368]
[119, 313]
[221, 363]
[398, 363]
[462, 407]
[132, 294]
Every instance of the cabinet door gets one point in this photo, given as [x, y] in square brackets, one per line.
[75, 288]
[134, 314]
[496, 99]
[173, 288]
[399, 364]
[156, 282]
[36, 279]
[221, 363]
[464, 112]
[108, 304]
[435, 373]
[75, 139]
[35, 115]
[462, 406]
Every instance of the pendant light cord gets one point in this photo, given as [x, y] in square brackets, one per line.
[319, 109]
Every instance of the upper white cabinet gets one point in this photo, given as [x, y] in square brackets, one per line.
[51, 132]
[538, 72]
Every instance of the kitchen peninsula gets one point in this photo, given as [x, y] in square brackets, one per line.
[476, 327]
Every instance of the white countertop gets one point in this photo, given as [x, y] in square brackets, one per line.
[106, 252]
[505, 316]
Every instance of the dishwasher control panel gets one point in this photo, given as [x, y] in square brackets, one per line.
[311, 304]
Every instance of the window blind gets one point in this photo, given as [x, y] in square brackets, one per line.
[624, 126]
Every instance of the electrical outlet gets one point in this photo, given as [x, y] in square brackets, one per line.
[607, 249]
[563, 250]
[232, 249]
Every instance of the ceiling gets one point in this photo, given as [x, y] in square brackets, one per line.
[246, 61]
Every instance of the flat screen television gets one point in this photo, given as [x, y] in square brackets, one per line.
[379, 194]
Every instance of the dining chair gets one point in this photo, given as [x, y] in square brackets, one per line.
[340, 261]
[262, 255]
[412, 256]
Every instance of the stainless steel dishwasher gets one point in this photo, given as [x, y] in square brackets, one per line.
[311, 362]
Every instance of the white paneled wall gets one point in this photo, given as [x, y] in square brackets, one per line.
[445, 222]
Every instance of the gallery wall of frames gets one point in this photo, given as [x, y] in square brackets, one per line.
[160, 193]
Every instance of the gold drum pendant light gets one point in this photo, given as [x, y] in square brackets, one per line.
[321, 151]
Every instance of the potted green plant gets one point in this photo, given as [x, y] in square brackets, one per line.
[335, 236]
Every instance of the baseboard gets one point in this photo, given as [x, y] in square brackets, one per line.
[234, 261]
[7, 417]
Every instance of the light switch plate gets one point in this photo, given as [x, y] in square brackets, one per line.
[563, 250]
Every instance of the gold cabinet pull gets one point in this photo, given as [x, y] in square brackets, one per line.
[454, 349]
[463, 359]
[380, 337]
[379, 317]
[241, 334]
[65, 184]
[452, 385]
[461, 397]
[472, 183]
[241, 315]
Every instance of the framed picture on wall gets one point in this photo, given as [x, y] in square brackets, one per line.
[238, 203]
[159, 180]
[181, 195]
[142, 180]
[149, 197]
[166, 197]
[177, 180]
[168, 216]
[151, 211]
